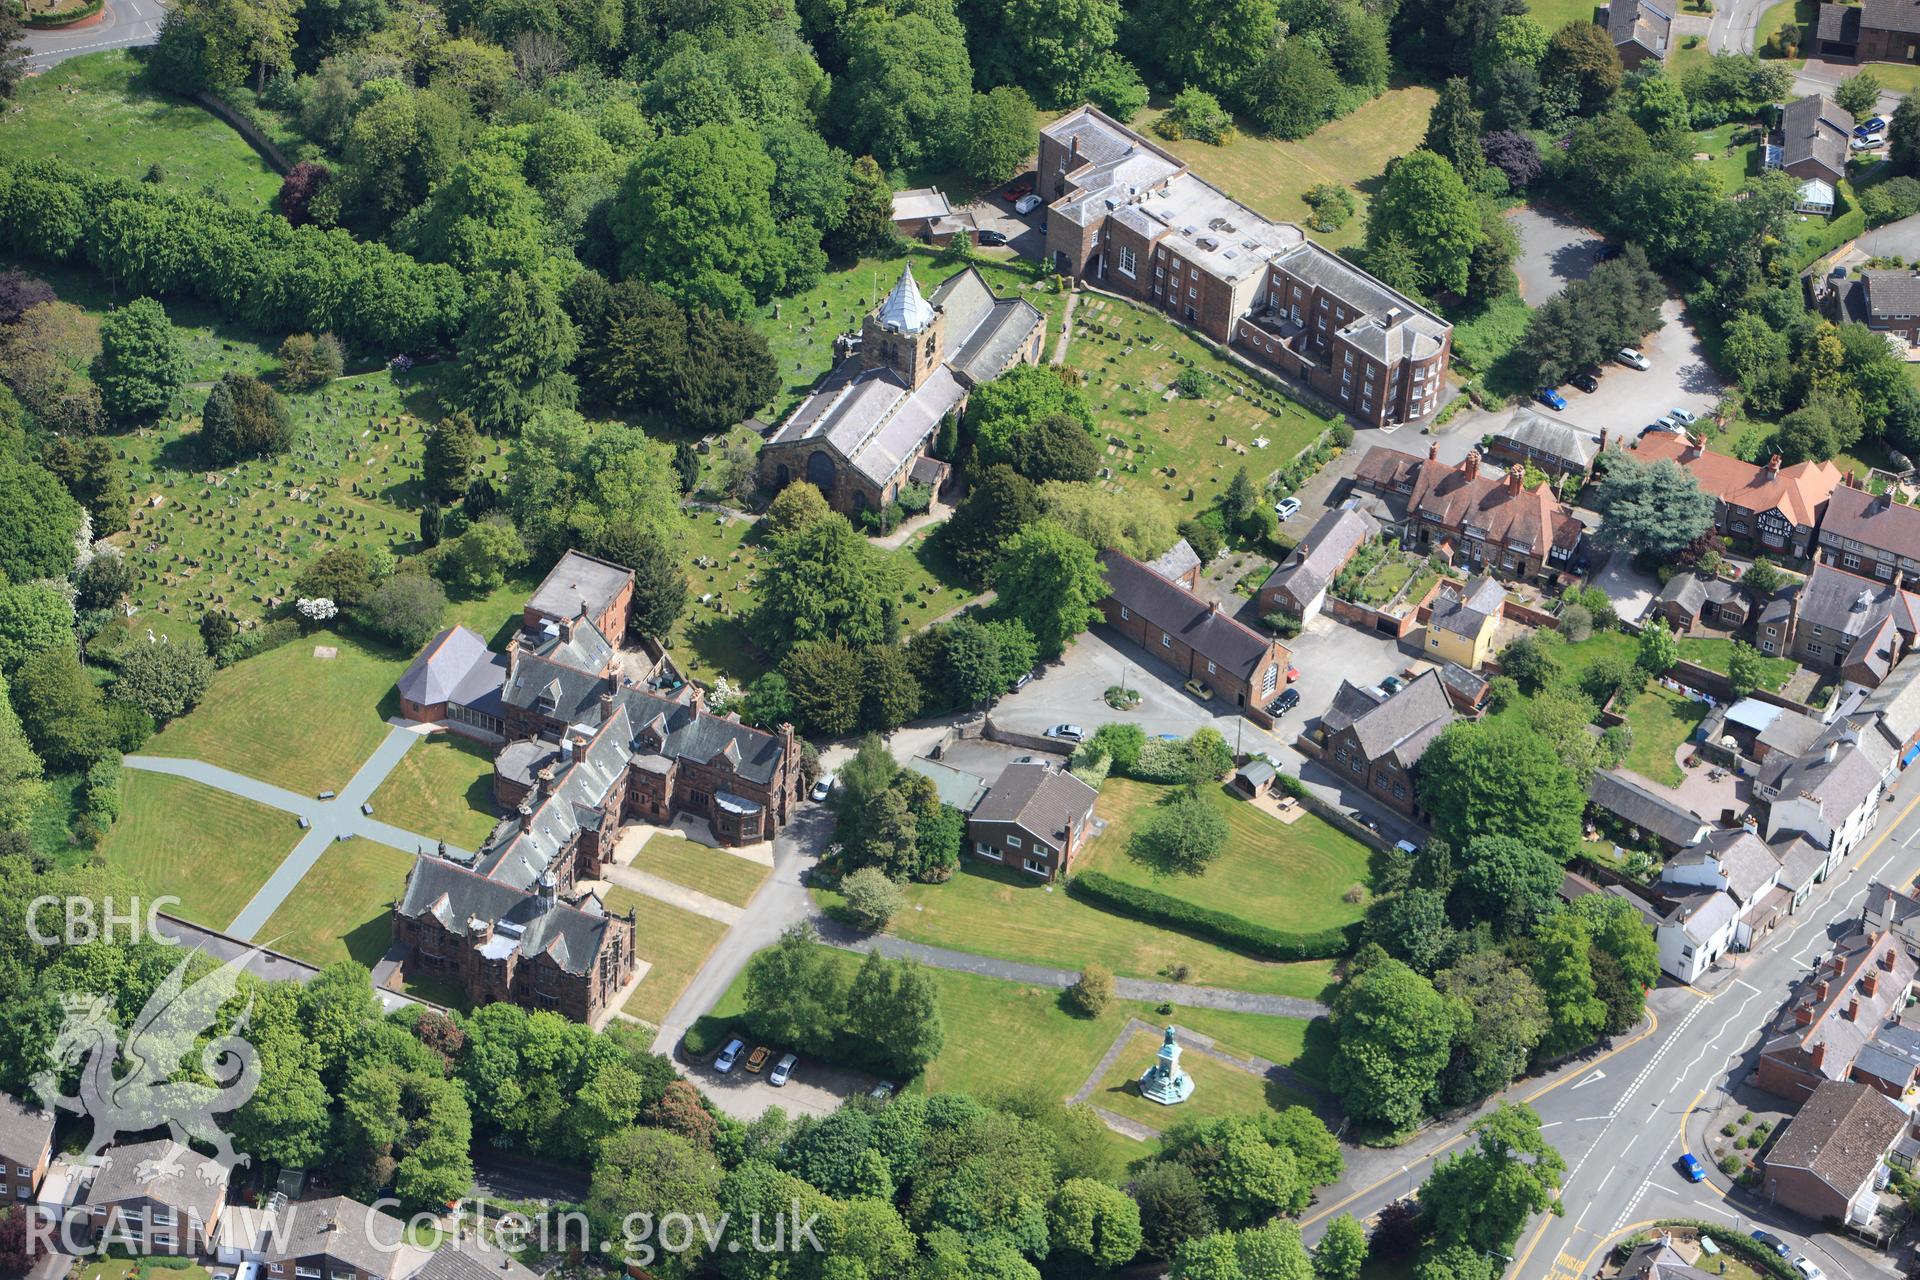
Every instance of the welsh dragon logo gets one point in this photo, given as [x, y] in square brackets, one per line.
[159, 1074]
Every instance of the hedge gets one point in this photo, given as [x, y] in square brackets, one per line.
[1738, 1242]
[1259, 940]
[55, 21]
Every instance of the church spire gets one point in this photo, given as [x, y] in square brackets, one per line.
[905, 311]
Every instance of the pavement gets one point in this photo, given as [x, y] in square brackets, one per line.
[122, 24]
[1629, 399]
[1623, 1116]
[1822, 76]
[1629, 590]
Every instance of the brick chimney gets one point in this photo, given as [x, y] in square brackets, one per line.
[1516, 479]
[1804, 1015]
[1869, 984]
[1471, 467]
[1393, 318]
[1603, 439]
[1853, 1009]
[1886, 960]
[1819, 1055]
[1839, 966]
[1433, 451]
[1822, 989]
[1213, 606]
[1773, 465]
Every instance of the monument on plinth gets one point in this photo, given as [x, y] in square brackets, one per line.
[1164, 1082]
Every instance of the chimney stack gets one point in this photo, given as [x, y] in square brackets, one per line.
[1516, 479]
[1394, 316]
[1886, 960]
[1833, 749]
[1471, 467]
[1773, 465]
[1853, 1009]
[1870, 984]
[1804, 1015]
[1433, 451]
[1819, 1055]
[1822, 989]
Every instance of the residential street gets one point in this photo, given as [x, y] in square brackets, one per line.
[1619, 1117]
[123, 24]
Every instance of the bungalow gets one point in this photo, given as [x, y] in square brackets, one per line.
[1299, 585]
[1463, 621]
[1375, 741]
[1657, 1260]
[1533, 438]
[1193, 636]
[1690, 600]
[1772, 507]
[1035, 817]
[1644, 813]
[1835, 1013]
[1831, 1159]
[1814, 134]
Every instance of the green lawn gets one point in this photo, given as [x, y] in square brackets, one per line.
[137, 1269]
[1554, 14]
[92, 113]
[1218, 1089]
[52, 827]
[1660, 720]
[1292, 877]
[1713, 653]
[496, 615]
[443, 789]
[210, 849]
[1178, 451]
[291, 717]
[1733, 151]
[343, 907]
[1778, 15]
[1270, 175]
[995, 911]
[675, 942]
[714, 872]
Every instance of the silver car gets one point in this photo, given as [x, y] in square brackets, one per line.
[783, 1070]
[729, 1056]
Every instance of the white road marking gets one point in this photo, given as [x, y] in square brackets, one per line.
[1597, 1075]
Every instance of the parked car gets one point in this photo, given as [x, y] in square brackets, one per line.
[783, 1070]
[1691, 1168]
[1868, 143]
[1200, 689]
[1287, 701]
[1608, 252]
[823, 788]
[1286, 509]
[1026, 204]
[1873, 124]
[1293, 673]
[1392, 685]
[882, 1091]
[757, 1060]
[1013, 195]
[1026, 678]
[1587, 380]
[1632, 358]
[1407, 847]
[324, 795]
[1772, 1242]
[1071, 732]
[1550, 398]
[1684, 417]
[1805, 1266]
[990, 236]
[729, 1056]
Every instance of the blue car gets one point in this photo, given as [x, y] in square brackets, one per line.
[1874, 125]
[1550, 398]
[1690, 1166]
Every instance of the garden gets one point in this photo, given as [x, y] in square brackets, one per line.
[714, 872]
[1219, 1088]
[443, 789]
[1716, 654]
[342, 908]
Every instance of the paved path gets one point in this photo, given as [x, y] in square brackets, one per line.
[329, 820]
[1066, 328]
[677, 895]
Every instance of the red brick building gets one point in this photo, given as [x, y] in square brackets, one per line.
[26, 1148]
[1767, 507]
[582, 584]
[1035, 818]
[1476, 518]
[1374, 742]
[1835, 1014]
[1193, 636]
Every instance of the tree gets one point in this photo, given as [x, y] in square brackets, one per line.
[1454, 127]
[660, 588]
[1660, 103]
[1000, 504]
[1173, 1207]
[307, 360]
[1007, 407]
[1292, 91]
[164, 679]
[1506, 884]
[654, 1172]
[823, 681]
[1507, 1017]
[217, 631]
[39, 521]
[243, 418]
[826, 582]
[1058, 447]
[22, 789]
[1513, 154]
[1745, 669]
[872, 899]
[906, 96]
[1482, 1197]
[343, 575]
[795, 507]
[1094, 1221]
[1658, 648]
[514, 352]
[1426, 206]
[1394, 1034]
[1330, 203]
[1859, 94]
[1564, 972]
[61, 709]
[141, 362]
[21, 293]
[448, 456]
[480, 559]
[13, 68]
[1412, 925]
[1182, 835]
[1490, 269]
[1582, 62]
[1617, 929]
[405, 609]
[868, 225]
[893, 1011]
[1092, 991]
[890, 693]
[1529, 662]
[1342, 1250]
[1903, 137]
[694, 218]
[299, 188]
[1052, 581]
[999, 134]
[1654, 509]
[34, 616]
[1500, 778]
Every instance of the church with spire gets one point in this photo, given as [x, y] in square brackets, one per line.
[867, 430]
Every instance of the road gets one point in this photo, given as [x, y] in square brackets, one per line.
[123, 24]
[1619, 1118]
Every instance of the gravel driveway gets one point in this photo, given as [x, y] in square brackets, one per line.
[1554, 252]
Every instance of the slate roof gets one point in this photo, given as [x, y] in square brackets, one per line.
[1894, 707]
[440, 668]
[558, 689]
[1815, 128]
[1658, 1261]
[1350, 702]
[1892, 293]
[162, 1171]
[523, 849]
[1886, 901]
[1700, 916]
[24, 1131]
[1200, 624]
[1800, 862]
[1791, 733]
[1693, 593]
[1839, 23]
[1039, 799]
[1494, 504]
[1873, 520]
[1466, 609]
[1321, 554]
[904, 310]
[1412, 333]
[579, 583]
[1893, 1055]
[467, 1261]
[701, 735]
[1101, 141]
[1529, 430]
[1891, 15]
[1400, 728]
[1839, 785]
[1645, 24]
[345, 1231]
[1465, 685]
[1743, 859]
[1799, 492]
[1180, 559]
[1630, 802]
[1840, 1134]
[522, 921]
[1827, 994]
[576, 644]
[1854, 606]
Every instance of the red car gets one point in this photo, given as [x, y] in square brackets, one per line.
[1012, 194]
[1293, 673]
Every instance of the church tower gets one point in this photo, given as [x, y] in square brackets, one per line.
[904, 333]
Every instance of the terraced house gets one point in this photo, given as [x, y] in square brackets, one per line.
[1767, 507]
[1474, 517]
[1870, 534]
[1374, 741]
[1127, 215]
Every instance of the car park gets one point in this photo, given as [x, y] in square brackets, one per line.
[1691, 1168]
[1587, 380]
[757, 1060]
[1026, 204]
[1200, 689]
[990, 236]
[1286, 509]
[1550, 398]
[729, 1055]
[1631, 357]
[1772, 1242]
[783, 1070]
[1071, 732]
[823, 788]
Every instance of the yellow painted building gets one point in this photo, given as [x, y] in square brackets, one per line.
[1464, 621]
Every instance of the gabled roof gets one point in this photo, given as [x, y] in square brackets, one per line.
[1701, 916]
[1839, 23]
[1200, 624]
[162, 1171]
[1891, 294]
[1840, 1134]
[1640, 22]
[1693, 593]
[1841, 772]
[1894, 707]
[1873, 520]
[1401, 727]
[1855, 606]
[443, 665]
[703, 736]
[1632, 803]
[1658, 1261]
[25, 1131]
[1532, 431]
[578, 584]
[1891, 15]
[1865, 974]
[1466, 610]
[956, 787]
[1042, 800]
[1389, 325]
[1742, 858]
[471, 1260]
[1891, 904]
[1799, 492]
[559, 690]
[1322, 553]
[1485, 501]
[346, 1231]
[1178, 561]
[1815, 128]
[522, 921]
